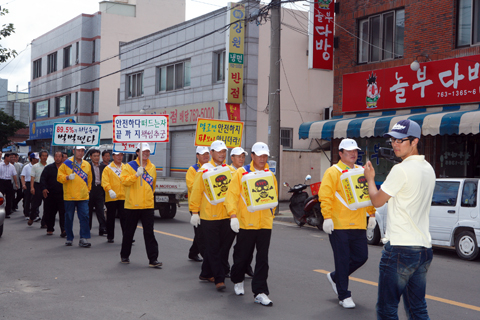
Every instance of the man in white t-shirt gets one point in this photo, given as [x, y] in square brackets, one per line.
[407, 254]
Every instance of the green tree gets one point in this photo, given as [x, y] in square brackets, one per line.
[6, 30]
[8, 127]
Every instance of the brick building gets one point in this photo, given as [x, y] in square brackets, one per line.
[377, 82]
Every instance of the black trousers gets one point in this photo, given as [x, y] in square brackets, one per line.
[51, 205]
[27, 199]
[114, 208]
[218, 238]
[247, 241]
[36, 202]
[18, 196]
[197, 246]
[131, 220]
[6, 188]
[97, 201]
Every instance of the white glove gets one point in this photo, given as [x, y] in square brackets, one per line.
[139, 171]
[195, 220]
[328, 226]
[112, 194]
[235, 225]
[371, 223]
[71, 176]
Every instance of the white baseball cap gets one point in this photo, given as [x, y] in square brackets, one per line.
[348, 144]
[260, 148]
[115, 152]
[218, 145]
[202, 150]
[145, 146]
[238, 151]
[80, 147]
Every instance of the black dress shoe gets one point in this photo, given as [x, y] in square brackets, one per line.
[195, 258]
[102, 233]
[110, 241]
[155, 264]
[125, 260]
[249, 271]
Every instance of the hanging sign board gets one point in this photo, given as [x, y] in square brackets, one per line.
[76, 134]
[209, 130]
[140, 128]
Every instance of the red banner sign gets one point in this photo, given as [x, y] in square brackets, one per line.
[451, 81]
[233, 111]
[321, 34]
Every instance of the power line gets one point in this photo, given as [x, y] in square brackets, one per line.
[290, 89]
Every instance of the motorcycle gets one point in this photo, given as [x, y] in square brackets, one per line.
[305, 208]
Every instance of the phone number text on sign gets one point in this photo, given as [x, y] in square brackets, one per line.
[140, 128]
[76, 134]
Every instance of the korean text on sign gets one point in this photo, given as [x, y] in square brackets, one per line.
[131, 147]
[140, 128]
[76, 134]
[321, 39]
[235, 53]
[209, 130]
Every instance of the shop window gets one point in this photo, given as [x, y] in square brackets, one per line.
[135, 85]
[52, 63]
[468, 27]
[286, 138]
[37, 68]
[219, 66]
[381, 36]
[173, 77]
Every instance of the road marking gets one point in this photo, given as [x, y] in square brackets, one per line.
[169, 234]
[447, 301]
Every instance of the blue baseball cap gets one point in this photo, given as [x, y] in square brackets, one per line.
[404, 128]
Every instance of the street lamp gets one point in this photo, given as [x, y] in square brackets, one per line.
[415, 65]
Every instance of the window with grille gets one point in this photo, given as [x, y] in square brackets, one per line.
[286, 137]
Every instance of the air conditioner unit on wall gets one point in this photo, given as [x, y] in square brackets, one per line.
[327, 113]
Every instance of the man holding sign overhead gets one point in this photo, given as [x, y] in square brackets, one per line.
[76, 176]
[139, 177]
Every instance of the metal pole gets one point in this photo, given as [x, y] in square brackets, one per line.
[274, 88]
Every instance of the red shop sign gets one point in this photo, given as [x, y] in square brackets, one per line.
[450, 81]
[321, 43]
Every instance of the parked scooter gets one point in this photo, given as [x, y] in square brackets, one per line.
[305, 209]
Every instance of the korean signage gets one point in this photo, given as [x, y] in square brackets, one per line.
[233, 111]
[44, 129]
[140, 128]
[235, 53]
[76, 134]
[131, 147]
[229, 132]
[321, 27]
[184, 115]
[450, 81]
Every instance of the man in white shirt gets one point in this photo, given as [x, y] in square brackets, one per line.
[25, 179]
[407, 254]
[36, 190]
[18, 191]
[7, 172]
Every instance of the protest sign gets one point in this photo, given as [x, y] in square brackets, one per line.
[209, 130]
[140, 128]
[131, 147]
[76, 134]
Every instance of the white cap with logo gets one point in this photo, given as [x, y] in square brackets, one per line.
[218, 145]
[238, 151]
[202, 150]
[348, 144]
[145, 146]
[260, 148]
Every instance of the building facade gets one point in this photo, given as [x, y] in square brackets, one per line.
[407, 59]
[75, 67]
[184, 76]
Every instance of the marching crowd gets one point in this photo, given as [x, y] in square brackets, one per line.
[127, 191]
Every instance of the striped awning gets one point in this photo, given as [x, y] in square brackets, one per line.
[448, 120]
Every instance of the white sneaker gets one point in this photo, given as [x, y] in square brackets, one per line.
[347, 303]
[238, 287]
[262, 299]
[334, 285]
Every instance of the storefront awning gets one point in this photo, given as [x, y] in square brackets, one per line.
[463, 119]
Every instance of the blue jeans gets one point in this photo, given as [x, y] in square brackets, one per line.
[403, 271]
[82, 213]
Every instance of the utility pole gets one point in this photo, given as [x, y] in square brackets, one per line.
[274, 87]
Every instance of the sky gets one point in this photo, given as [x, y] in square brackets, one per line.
[32, 18]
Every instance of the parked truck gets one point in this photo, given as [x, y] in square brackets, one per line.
[454, 217]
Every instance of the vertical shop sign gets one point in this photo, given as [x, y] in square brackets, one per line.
[233, 111]
[235, 53]
[321, 27]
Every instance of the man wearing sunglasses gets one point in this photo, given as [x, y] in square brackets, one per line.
[407, 253]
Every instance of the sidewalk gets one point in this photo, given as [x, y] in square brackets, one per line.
[284, 213]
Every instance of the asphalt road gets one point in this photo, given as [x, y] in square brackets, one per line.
[40, 278]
